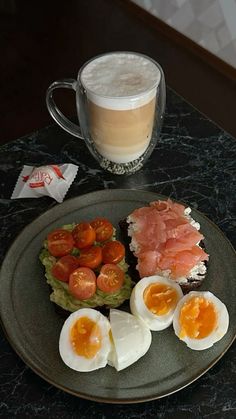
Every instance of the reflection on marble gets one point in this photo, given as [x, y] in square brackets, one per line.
[194, 161]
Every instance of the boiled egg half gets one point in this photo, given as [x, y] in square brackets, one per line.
[84, 342]
[131, 339]
[200, 320]
[154, 299]
[89, 341]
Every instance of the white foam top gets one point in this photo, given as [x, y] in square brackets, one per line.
[121, 80]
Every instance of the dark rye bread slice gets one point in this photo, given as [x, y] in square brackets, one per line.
[190, 285]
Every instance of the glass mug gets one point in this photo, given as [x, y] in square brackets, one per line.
[120, 99]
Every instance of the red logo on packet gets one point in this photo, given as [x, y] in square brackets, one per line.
[39, 177]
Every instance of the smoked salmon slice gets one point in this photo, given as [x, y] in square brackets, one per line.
[164, 239]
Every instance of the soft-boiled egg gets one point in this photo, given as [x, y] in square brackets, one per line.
[85, 342]
[154, 299]
[88, 340]
[200, 320]
[131, 339]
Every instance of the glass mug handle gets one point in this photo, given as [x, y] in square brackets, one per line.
[56, 114]
[162, 102]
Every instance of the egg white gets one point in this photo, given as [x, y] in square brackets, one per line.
[216, 334]
[138, 307]
[67, 353]
[131, 339]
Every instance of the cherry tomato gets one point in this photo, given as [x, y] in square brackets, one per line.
[82, 283]
[91, 258]
[103, 228]
[84, 235]
[60, 242]
[113, 252]
[64, 267]
[111, 278]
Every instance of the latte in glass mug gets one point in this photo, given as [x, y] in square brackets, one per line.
[121, 91]
[120, 98]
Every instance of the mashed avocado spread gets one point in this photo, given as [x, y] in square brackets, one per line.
[60, 291]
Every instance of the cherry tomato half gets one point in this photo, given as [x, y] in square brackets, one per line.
[111, 278]
[84, 235]
[64, 267]
[91, 258]
[103, 228]
[113, 252]
[82, 283]
[60, 242]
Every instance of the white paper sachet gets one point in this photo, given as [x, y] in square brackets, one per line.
[52, 180]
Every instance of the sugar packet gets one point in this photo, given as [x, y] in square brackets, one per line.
[52, 180]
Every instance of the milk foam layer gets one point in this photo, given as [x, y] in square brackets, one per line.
[120, 81]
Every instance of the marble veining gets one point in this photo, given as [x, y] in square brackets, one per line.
[194, 162]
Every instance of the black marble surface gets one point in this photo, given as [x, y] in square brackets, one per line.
[194, 162]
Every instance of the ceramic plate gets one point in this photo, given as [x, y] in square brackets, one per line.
[32, 324]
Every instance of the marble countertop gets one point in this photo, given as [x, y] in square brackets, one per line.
[194, 162]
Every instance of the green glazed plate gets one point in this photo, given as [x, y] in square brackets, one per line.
[32, 325]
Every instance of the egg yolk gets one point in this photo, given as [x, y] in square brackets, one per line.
[85, 337]
[160, 298]
[198, 318]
